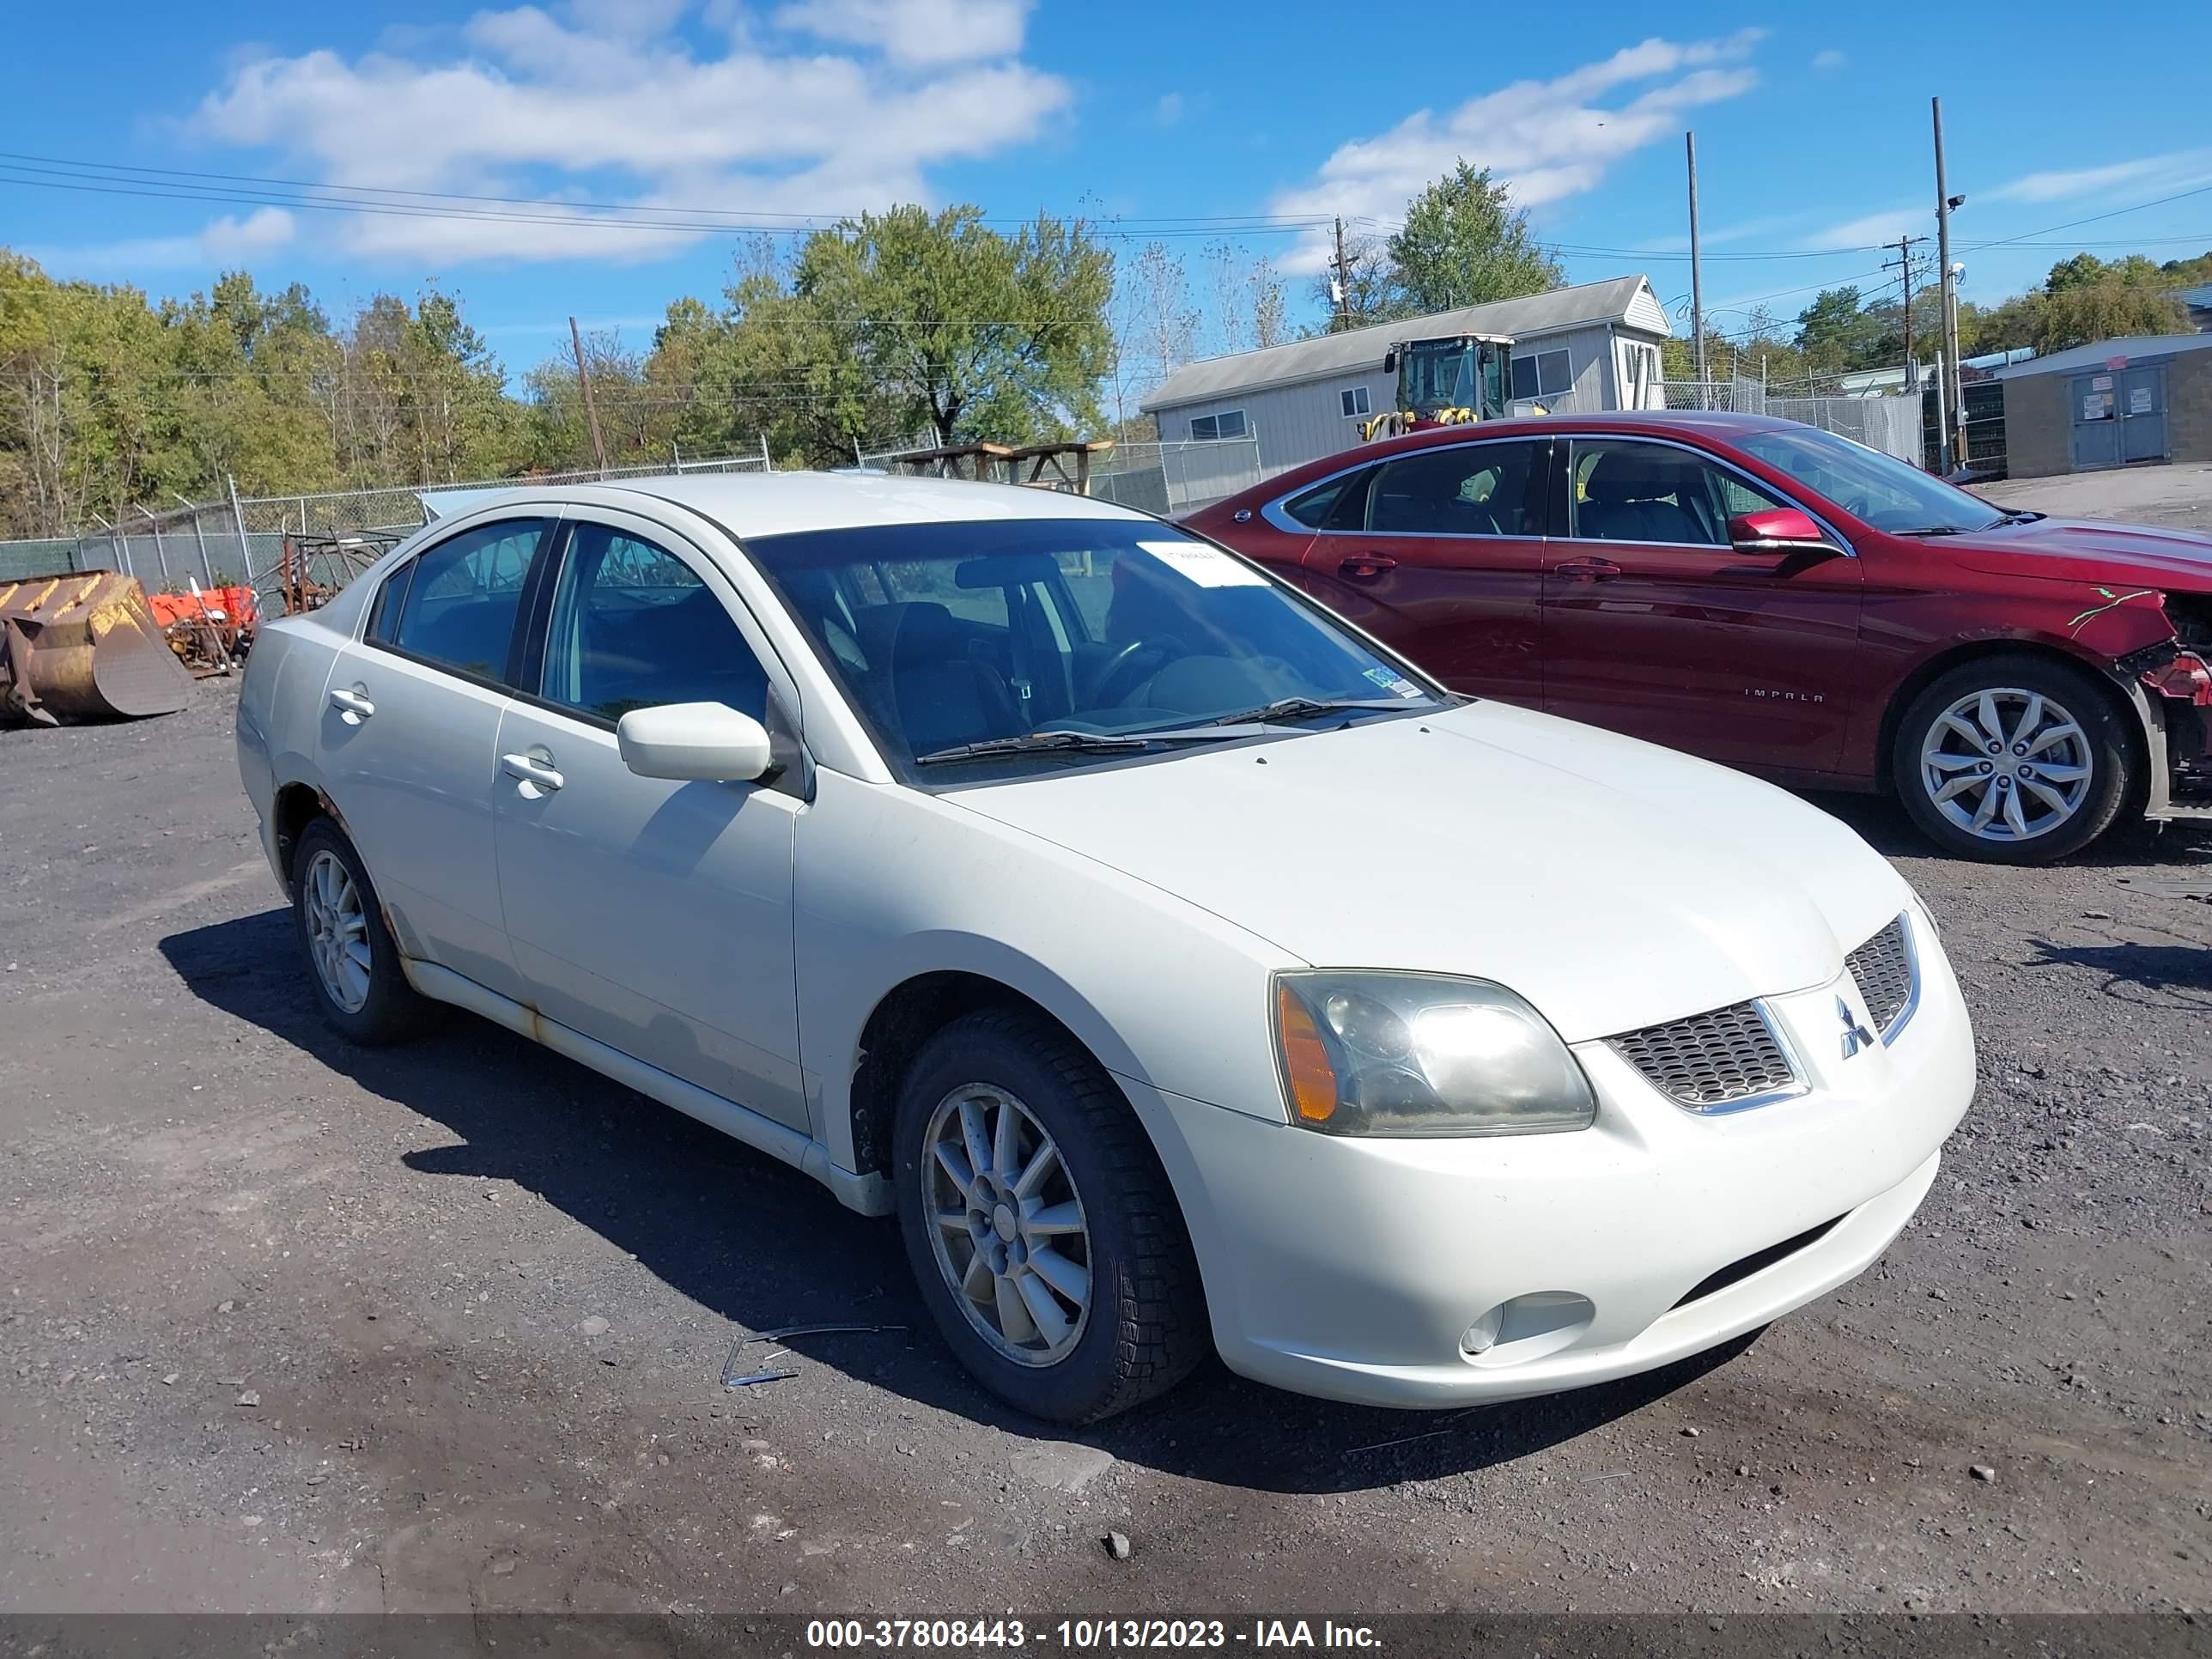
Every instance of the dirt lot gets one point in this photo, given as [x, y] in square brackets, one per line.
[288, 1326]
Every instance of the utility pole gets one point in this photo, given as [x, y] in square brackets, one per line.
[1904, 246]
[1343, 282]
[590, 408]
[1953, 445]
[1697, 274]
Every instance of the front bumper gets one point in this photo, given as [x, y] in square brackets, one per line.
[1349, 1268]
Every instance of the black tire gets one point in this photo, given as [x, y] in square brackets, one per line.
[1145, 1325]
[393, 1010]
[2108, 746]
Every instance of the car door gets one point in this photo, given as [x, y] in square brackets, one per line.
[1441, 556]
[653, 915]
[1655, 625]
[409, 732]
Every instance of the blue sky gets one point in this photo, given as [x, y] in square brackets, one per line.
[1213, 119]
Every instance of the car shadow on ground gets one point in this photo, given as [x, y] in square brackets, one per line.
[760, 1244]
[2176, 976]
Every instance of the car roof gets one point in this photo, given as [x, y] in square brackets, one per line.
[754, 504]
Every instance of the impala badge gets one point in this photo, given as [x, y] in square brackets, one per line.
[1855, 1035]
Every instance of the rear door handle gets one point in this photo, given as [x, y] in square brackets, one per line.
[351, 703]
[1587, 570]
[1361, 566]
[525, 769]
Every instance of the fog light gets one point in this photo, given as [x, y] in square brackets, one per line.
[1525, 1327]
[1478, 1336]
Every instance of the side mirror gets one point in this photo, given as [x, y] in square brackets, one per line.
[703, 741]
[1390, 361]
[1778, 530]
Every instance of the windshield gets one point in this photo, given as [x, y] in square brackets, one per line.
[1884, 492]
[1436, 375]
[947, 635]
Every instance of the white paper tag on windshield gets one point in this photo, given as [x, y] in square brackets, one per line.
[1209, 567]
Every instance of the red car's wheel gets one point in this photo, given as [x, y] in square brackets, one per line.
[2013, 759]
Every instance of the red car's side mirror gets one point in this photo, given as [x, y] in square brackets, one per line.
[1778, 530]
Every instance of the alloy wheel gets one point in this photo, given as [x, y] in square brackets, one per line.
[337, 931]
[1006, 1225]
[2006, 764]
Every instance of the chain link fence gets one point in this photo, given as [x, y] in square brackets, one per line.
[241, 540]
[1890, 423]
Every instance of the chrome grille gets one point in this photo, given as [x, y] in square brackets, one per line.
[1882, 969]
[1709, 1061]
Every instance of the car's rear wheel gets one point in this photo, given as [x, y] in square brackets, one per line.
[2013, 759]
[354, 966]
[1039, 1224]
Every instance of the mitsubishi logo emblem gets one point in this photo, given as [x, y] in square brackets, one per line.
[1855, 1035]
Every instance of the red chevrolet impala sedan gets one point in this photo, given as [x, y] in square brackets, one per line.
[1777, 598]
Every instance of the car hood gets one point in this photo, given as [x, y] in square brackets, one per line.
[2086, 550]
[1613, 883]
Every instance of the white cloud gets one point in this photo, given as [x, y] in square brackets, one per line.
[1168, 110]
[1870, 230]
[2122, 182]
[1828, 59]
[913, 31]
[2174, 170]
[608, 106]
[225, 241]
[1547, 139]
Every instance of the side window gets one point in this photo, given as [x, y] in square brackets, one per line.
[1312, 509]
[456, 605]
[1625, 491]
[384, 615]
[1467, 489]
[1542, 374]
[634, 627]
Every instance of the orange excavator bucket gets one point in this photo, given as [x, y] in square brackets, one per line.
[84, 646]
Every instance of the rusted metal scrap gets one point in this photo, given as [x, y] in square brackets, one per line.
[84, 645]
[209, 630]
[311, 570]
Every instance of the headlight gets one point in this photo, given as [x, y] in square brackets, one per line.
[1382, 1054]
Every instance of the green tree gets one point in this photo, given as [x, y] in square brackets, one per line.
[1464, 243]
[962, 329]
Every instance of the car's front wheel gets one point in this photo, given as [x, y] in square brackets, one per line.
[2013, 759]
[1039, 1224]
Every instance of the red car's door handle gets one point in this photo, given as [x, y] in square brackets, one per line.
[1361, 566]
[1587, 570]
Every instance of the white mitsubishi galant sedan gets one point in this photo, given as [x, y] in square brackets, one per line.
[1177, 963]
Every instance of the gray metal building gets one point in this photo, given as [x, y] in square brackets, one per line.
[2116, 403]
[1589, 348]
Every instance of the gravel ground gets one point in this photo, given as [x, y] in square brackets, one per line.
[286, 1326]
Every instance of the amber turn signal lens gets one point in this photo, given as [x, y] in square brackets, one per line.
[1306, 1069]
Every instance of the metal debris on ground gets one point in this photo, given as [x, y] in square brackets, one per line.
[780, 1334]
[210, 629]
[84, 645]
[733, 1378]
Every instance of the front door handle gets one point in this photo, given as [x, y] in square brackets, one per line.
[1362, 567]
[1588, 570]
[352, 704]
[529, 770]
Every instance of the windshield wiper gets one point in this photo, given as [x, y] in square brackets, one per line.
[1296, 708]
[1027, 743]
[1931, 530]
[2022, 517]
